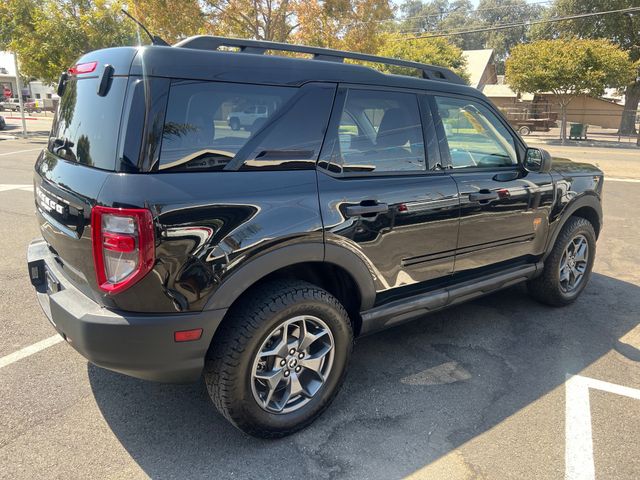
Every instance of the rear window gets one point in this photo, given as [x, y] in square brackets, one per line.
[85, 129]
[207, 123]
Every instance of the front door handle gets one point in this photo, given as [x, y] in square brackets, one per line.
[483, 196]
[368, 209]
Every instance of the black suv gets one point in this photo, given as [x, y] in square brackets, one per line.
[175, 245]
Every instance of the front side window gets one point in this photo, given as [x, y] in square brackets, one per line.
[378, 131]
[208, 123]
[475, 135]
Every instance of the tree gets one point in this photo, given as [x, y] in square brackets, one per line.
[50, 35]
[568, 68]
[435, 51]
[168, 20]
[439, 16]
[345, 24]
[272, 20]
[500, 12]
[623, 30]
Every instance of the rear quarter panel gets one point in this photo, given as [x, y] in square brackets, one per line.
[208, 224]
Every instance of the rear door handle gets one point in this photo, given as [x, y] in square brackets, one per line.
[483, 196]
[367, 209]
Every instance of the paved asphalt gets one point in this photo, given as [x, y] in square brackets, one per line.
[477, 391]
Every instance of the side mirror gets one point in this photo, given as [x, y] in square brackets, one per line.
[537, 160]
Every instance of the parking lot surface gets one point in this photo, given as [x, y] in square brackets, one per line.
[498, 388]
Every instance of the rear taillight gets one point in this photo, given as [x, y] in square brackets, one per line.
[123, 246]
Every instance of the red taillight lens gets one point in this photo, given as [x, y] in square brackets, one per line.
[123, 246]
[81, 68]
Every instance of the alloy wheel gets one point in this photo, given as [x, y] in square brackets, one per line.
[292, 364]
[573, 264]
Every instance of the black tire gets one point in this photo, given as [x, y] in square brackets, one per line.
[229, 363]
[547, 288]
[524, 130]
[234, 123]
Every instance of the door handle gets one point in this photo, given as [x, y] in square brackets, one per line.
[483, 196]
[368, 209]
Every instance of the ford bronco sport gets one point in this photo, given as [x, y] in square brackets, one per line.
[174, 246]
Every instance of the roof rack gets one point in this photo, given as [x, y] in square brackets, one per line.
[259, 47]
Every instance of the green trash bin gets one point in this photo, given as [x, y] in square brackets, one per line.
[578, 131]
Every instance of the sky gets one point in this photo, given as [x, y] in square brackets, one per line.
[6, 61]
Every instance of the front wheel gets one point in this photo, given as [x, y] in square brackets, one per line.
[279, 360]
[568, 267]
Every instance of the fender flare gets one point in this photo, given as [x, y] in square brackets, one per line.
[253, 271]
[590, 201]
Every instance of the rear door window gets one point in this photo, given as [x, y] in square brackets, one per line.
[208, 123]
[86, 126]
[378, 132]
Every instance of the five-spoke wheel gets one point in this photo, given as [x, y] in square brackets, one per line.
[573, 263]
[292, 364]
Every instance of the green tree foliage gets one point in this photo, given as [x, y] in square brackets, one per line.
[49, 35]
[568, 68]
[441, 16]
[168, 19]
[623, 30]
[346, 24]
[435, 51]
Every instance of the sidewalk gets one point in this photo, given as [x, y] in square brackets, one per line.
[596, 137]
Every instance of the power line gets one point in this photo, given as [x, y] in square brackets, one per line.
[526, 24]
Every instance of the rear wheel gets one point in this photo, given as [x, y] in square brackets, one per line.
[234, 123]
[280, 358]
[568, 267]
[524, 130]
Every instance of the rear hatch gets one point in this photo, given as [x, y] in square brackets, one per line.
[81, 153]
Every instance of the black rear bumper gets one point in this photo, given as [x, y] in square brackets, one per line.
[139, 345]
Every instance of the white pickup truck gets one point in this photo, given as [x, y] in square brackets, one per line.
[247, 117]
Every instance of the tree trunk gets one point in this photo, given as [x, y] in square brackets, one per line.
[563, 122]
[628, 121]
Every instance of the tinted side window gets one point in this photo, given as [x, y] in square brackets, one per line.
[201, 131]
[292, 139]
[475, 135]
[378, 131]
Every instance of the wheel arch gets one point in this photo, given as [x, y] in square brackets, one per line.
[585, 206]
[341, 272]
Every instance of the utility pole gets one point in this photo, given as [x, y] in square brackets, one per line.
[19, 86]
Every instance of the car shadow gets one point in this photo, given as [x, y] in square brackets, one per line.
[413, 394]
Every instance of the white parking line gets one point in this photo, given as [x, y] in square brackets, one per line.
[614, 179]
[4, 187]
[578, 452]
[20, 151]
[30, 350]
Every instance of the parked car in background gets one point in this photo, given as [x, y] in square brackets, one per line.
[10, 105]
[31, 106]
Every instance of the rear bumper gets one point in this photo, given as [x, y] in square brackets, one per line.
[139, 345]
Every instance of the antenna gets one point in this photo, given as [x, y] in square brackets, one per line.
[155, 40]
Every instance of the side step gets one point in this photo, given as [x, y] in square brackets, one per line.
[399, 311]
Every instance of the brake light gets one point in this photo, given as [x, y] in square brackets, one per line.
[81, 68]
[123, 246]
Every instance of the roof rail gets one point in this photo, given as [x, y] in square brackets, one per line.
[207, 42]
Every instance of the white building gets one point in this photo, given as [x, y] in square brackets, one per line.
[36, 90]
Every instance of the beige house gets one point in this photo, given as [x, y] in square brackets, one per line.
[481, 69]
